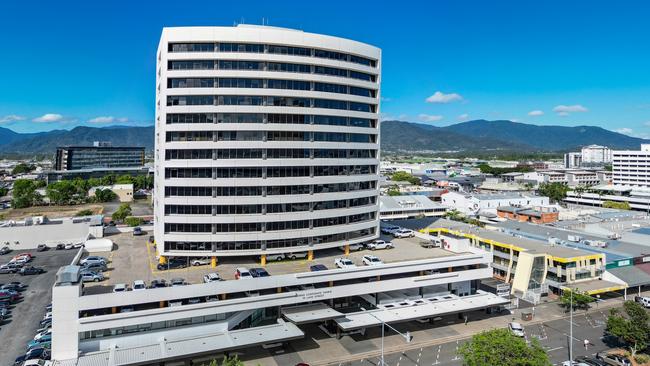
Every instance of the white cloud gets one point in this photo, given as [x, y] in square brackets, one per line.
[429, 117]
[463, 117]
[624, 130]
[514, 120]
[123, 119]
[11, 118]
[536, 113]
[49, 117]
[442, 98]
[102, 119]
[565, 110]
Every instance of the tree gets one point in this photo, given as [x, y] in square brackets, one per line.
[84, 213]
[405, 177]
[556, 191]
[633, 327]
[133, 221]
[501, 347]
[24, 193]
[617, 205]
[63, 192]
[122, 212]
[23, 168]
[104, 195]
[393, 191]
[227, 361]
[3, 191]
[579, 300]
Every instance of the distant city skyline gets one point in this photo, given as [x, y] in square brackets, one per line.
[559, 63]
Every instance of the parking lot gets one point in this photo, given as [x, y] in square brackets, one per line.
[20, 327]
[135, 259]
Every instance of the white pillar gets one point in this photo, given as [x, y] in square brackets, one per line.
[65, 321]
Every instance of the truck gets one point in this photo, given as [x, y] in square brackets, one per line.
[596, 243]
[574, 238]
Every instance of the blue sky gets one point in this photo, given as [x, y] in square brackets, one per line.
[69, 63]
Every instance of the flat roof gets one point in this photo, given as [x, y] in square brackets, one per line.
[596, 286]
[310, 313]
[638, 275]
[428, 308]
[407, 202]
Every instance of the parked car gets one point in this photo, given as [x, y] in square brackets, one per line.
[28, 256]
[242, 273]
[91, 277]
[275, 257]
[5, 250]
[201, 261]
[590, 361]
[34, 342]
[120, 287]
[42, 334]
[353, 247]
[60, 246]
[14, 285]
[93, 267]
[138, 285]
[9, 296]
[344, 263]
[258, 272]
[296, 255]
[380, 244]
[41, 248]
[643, 300]
[403, 233]
[371, 260]
[318, 267]
[39, 353]
[137, 231]
[10, 268]
[516, 329]
[30, 270]
[388, 229]
[93, 259]
[158, 284]
[174, 263]
[68, 246]
[211, 277]
[614, 359]
[178, 282]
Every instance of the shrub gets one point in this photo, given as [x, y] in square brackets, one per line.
[133, 221]
[84, 213]
[642, 359]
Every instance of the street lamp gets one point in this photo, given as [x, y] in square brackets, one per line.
[408, 337]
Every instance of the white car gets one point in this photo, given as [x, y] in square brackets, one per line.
[35, 362]
[403, 233]
[274, 257]
[120, 287]
[211, 277]
[380, 244]
[389, 229]
[42, 334]
[371, 260]
[353, 247]
[201, 261]
[296, 255]
[139, 285]
[68, 246]
[344, 263]
[516, 329]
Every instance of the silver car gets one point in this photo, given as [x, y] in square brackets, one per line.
[91, 277]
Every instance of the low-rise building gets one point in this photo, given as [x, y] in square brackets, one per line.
[402, 207]
[581, 178]
[537, 215]
[473, 204]
[124, 192]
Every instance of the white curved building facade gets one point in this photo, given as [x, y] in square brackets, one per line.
[267, 141]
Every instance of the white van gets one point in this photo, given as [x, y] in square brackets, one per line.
[643, 300]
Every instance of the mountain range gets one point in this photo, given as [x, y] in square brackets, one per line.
[471, 136]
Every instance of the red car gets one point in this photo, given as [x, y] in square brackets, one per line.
[28, 255]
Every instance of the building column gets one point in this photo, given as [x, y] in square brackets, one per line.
[213, 262]
[263, 260]
[347, 249]
[162, 260]
[310, 255]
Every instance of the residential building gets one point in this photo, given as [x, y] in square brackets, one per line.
[632, 167]
[473, 204]
[583, 178]
[596, 155]
[572, 160]
[98, 156]
[267, 141]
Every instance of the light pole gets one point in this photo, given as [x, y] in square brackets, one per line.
[406, 336]
[571, 327]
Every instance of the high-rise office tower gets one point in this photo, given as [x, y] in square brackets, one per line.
[267, 141]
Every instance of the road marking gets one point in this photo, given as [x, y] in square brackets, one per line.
[437, 356]
[554, 349]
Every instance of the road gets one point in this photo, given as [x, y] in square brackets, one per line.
[553, 336]
[19, 329]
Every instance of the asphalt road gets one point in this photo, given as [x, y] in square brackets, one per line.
[21, 326]
[553, 336]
